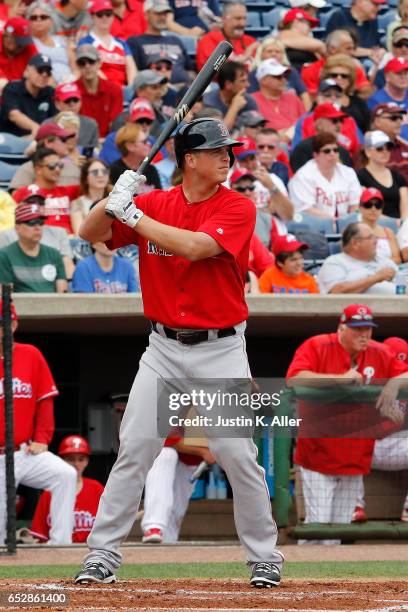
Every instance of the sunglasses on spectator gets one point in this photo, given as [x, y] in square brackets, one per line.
[373, 203]
[33, 222]
[71, 100]
[245, 188]
[329, 150]
[44, 70]
[39, 17]
[334, 94]
[339, 75]
[59, 165]
[337, 120]
[161, 66]
[107, 13]
[144, 121]
[385, 147]
[393, 117]
[98, 172]
[271, 147]
[84, 61]
[400, 44]
[279, 76]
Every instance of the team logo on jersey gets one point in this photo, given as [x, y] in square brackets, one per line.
[153, 250]
[220, 231]
[368, 371]
[21, 390]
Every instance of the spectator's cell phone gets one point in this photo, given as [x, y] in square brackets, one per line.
[87, 151]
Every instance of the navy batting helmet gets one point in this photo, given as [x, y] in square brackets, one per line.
[201, 134]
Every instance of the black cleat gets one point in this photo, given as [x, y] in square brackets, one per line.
[265, 575]
[94, 572]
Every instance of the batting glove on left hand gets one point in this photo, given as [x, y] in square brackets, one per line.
[120, 201]
[129, 183]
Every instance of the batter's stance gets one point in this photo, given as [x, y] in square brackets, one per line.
[193, 244]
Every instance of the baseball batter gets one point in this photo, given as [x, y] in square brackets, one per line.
[34, 466]
[194, 244]
[75, 450]
[332, 468]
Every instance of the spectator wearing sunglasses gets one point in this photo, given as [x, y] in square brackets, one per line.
[29, 265]
[101, 99]
[389, 118]
[39, 16]
[28, 102]
[16, 48]
[162, 64]
[399, 48]
[94, 186]
[323, 186]
[376, 173]
[371, 209]
[396, 85]
[47, 169]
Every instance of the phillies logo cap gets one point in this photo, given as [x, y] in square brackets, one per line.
[371, 193]
[18, 27]
[141, 109]
[249, 147]
[357, 315]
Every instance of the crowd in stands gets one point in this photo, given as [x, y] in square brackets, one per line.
[318, 95]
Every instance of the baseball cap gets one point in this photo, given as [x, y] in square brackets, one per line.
[65, 91]
[40, 61]
[158, 6]
[14, 316]
[357, 315]
[299, 13]
[74, 444]
[52, 129]
[250, 119]
[396, 64]
[18, 27]
[271, 67]
[148, 77]
[399, 34]
[24, 194]
[248, 147]
[329, 84]
[375, 139]
[398, 347]
[141, 109]
[25, 212]
[328, 111]
[240, 173]
[100, 5]
[371, 193]
[160, 57]
[315, 3]
[287, 244]
[87, 51]
[391, 108]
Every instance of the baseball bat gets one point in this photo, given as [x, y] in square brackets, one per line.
[201, 467]
[197, 87]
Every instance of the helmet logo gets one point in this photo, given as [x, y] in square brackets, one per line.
[223, 130]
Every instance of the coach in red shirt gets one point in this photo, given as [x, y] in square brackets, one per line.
[332, 468]
[16, 48]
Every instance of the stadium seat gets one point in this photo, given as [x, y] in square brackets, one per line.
[253, 20]
[7, 171]
[189, 42]
[16, 159]
[324, 17]
[274, 16]
[343, 222]
[385, 221]
[259, 32]
[12, 144]
[385, 19]
[316, 224]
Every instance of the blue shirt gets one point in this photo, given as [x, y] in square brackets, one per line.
[90, 278]
[368, 35]
[213, 98]
[382, 97]
[186, 12]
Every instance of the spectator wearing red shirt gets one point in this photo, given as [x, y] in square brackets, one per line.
[332, 468]
[234, 20]
[102, 99]
[128, 18]
[16, 48]
[281, 108]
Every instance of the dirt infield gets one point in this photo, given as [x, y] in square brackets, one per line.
[217, 596]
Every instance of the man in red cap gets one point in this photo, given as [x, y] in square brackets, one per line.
[16, 48]
[75, 451]
[332, 467]
[33, 396]
[29, 265]
[396, 85]
[102, 99]
[68, 97]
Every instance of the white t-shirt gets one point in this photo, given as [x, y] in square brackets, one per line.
[308, 187]
[402, 236]
[342, 268]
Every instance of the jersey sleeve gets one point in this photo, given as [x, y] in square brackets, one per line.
[232, 226]
[45, 385]
[305, 358]
[122, 235]
[39, 526]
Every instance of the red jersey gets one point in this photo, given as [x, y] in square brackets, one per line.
[311, 76]
[86, 507]
[324, 354]
[133, 22]
[205, 294]
[33, 384]
[259, 257]
[13, 66]
[104, 105]
[58, 205]
[347, 138]
[113, 57]
[208, 43]
[282, 113]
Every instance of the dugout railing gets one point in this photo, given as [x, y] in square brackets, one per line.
[283, 499]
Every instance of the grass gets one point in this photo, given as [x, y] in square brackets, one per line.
[324, 570]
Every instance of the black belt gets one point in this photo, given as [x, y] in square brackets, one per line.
[193, 336]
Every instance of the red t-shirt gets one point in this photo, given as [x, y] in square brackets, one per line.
[347, 138]
[205, 294]
[33, 386]
[208, 43]
[259, 257]
[324, 354]
[13, 67]
[58, 205]
[104, 105]
[311, 76]
[133, 22]
[280, 114]
[86, 507]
